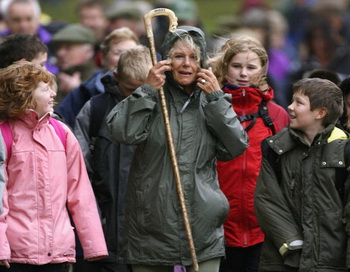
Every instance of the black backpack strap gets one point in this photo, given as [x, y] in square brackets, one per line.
[99, 105]
[273, 158]
[264, 113]
[342, 173]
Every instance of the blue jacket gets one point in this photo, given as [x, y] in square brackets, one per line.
[76, 99]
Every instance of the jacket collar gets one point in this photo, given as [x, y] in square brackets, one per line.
[288, 138]
[32, 119]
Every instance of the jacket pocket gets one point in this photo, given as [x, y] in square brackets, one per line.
[332, 240]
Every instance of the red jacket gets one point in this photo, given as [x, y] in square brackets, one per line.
[238, 177]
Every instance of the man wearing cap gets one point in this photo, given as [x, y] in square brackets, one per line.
[74, 48]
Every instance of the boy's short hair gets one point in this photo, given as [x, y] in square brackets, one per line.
[17, 84]
[322, 93]
[20, 46]
[135, 63]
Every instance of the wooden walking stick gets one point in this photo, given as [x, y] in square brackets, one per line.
[172, 27]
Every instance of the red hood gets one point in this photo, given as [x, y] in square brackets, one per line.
[246, 100]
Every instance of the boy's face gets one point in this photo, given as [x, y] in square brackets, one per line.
[301, 117]
[128, 85]
[40, 59]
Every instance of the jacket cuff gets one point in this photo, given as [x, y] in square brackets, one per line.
[145, 90]
[293, 245]
[214, 95]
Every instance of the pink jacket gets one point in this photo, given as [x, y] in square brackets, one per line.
[45, 183]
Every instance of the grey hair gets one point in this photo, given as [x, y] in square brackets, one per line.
[5, 4]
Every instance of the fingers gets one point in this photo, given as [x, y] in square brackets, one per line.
[5, 263]
[207, 81]
[156, 77]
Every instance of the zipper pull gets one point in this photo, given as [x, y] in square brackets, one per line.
[243, 92]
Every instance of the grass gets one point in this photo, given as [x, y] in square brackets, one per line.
[209, 10]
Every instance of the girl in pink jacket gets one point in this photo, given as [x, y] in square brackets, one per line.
[46, 180]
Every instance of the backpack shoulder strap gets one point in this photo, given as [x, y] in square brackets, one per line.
[264, 113]
[99, 107]
[59, 130]
[273, 158]
[7, 136]
[342, 173]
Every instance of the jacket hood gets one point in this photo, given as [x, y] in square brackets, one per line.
[233, 89]
[197, 35]
[111, 85]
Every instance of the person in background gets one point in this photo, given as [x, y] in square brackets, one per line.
[344, 121]
[36, 230]
[241, 68]
[91, 13]
[113, 45]
[129, 14]
[27, 47]
[108, 161]
[23, 17]
[205, 129]
[74, 49]
[325, 74]
[302, 193]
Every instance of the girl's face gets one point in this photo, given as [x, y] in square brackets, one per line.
[244, 69]
[185, 65]
[44, 98]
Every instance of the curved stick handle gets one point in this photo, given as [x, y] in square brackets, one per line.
[147, 19]
[172, 27]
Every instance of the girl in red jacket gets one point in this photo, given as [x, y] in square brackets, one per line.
[241, 68]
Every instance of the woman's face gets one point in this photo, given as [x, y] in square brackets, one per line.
[44, 98]
[185, 65]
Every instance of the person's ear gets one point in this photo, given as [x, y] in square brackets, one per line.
[321, 113]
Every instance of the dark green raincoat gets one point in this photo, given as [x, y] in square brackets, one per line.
[204, 130]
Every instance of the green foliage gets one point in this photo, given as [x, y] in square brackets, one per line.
[210, 11]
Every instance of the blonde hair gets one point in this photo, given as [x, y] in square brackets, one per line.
[17, 85]
[117, 36]
[188, 41]
[233, 46]
[135, 63]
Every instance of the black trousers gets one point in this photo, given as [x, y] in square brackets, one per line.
[241, 259]
[16, 267]
[98, 266]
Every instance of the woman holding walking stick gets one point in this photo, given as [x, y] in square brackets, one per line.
[204, 129]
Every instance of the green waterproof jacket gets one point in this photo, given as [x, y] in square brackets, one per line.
[306, 200]
[204, 128]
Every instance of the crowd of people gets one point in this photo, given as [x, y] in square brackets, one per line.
[235, 142]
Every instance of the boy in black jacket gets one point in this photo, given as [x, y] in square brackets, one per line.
[301, 198]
